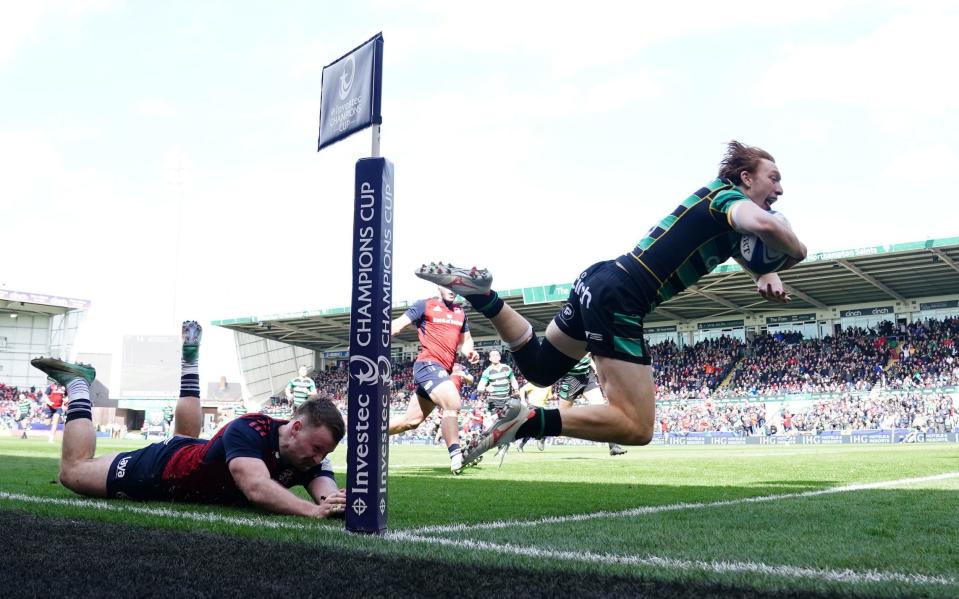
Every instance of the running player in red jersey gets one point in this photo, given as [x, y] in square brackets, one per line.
[53, 408]
[443, 331]
[255, 459]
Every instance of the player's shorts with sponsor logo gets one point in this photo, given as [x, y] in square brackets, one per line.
[138, 474]
[605, 309]
[427, 375]
[573, 386]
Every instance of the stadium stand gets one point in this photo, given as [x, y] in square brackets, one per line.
[885, 377]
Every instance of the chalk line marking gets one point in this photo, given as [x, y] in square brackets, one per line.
[672, 507]
[847, 576]
[414, 536]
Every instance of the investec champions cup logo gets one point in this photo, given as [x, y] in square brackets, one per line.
[369, 370]
[347, 76]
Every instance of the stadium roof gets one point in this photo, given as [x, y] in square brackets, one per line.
[25, 301]
[866, 275]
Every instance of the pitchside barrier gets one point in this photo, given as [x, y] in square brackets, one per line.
[350, 101]
[862, 437]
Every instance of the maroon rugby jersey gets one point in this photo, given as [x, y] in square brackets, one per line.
[200, 473]
[440, 326]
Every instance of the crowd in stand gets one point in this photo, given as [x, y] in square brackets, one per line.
[9, 406]
[694, 370]
[928, 412]
[917, 355]
[777, 364]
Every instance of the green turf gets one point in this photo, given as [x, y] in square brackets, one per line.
[908, 529]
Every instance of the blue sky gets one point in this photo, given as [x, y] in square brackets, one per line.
[167, 150]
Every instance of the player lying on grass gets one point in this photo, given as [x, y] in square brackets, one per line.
[254, 459]
[605, 310]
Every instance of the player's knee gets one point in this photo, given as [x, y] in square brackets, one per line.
[68, 477]
[410, 423]
[642, 435]
[541, 363]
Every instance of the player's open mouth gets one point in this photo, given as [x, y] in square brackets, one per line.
[770, 202]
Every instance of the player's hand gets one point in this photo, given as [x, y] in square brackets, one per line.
[473, 356]
[771, 288]
[333, 506]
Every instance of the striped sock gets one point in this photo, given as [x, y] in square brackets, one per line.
[80, 406]
[190, 372]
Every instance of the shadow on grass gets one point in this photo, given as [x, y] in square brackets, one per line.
[107, 559]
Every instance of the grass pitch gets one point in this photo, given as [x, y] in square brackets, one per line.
[859, 520]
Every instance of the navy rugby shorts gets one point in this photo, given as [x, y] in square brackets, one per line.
[138, 474]
[605, 310]
[427, 375]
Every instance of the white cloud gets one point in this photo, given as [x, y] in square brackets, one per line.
[20, 21]
[153, 108]
[572, 36]
[906, 64]
[933, 164]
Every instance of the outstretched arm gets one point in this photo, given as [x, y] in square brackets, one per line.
[253, 478]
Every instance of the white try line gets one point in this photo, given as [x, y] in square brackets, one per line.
[672, 507]
[846, 576]
[163, 512]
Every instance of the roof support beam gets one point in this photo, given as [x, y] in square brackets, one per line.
[792, 290]
[945, 258]
[720, 300]
[308, 334]
[870, 279]
[669, 314]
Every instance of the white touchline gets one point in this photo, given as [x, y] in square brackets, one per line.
[672, 507]
[850, 576]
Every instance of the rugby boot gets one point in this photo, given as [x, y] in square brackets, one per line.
[64, 372]
[464, 281]
[191, 333]
[502, 432]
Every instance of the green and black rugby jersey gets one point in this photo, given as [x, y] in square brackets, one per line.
[499, 380]
[694, 239]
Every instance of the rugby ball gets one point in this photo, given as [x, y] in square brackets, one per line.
[759, 258]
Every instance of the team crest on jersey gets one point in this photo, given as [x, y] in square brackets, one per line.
[437, 309]
[567, 312]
